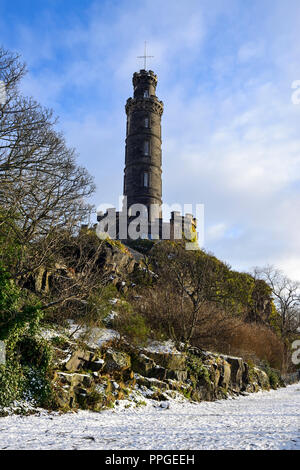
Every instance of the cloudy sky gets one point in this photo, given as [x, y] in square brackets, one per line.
[231, 126]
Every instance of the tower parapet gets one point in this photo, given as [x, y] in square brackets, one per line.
[144, 80]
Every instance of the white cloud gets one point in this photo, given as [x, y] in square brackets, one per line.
[215, 232]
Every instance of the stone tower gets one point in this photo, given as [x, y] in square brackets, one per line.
[143, 173]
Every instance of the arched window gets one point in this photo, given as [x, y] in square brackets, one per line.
[146, 147]
[146, 94]
[146, 122]
[146, 179]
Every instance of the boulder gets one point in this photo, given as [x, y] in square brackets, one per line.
[117, 259]
[151, 383]
[237, 370]
[75, 379]
[262, 379]
[116, 361]
[77, 360]
[215, 375]
[201, 393]
[225, 375]
[64, 397]
[69, 386]
[169, 360]
[158, 372]
[246, 376]
[142, 364]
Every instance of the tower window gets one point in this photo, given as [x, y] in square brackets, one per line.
[146, 94]
[146, 179]
[146, 147]
[146, 122]
[128, 124]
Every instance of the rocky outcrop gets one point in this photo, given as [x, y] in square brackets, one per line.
[173, 360]
[262, 379]
[95, 379]
[117, 259]
[237, 373]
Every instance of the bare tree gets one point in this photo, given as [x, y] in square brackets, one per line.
[74, 284]
[286, 295]
[42, 189]
[188, 281]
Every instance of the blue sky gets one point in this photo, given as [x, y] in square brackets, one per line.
[230, 130]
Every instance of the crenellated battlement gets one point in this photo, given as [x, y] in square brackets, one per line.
[144, 76]
[121, 225]
[151, 105]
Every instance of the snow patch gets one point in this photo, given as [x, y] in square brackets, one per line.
[93, 337]
[166, 347]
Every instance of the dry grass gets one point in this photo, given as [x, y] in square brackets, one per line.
[248, 340]
[168, 313]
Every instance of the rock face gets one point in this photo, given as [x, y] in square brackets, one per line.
[262, 379]
[117, 259]
[199, 374]
[169, 360]
[77, 360]
[95, 379]
[237, 369]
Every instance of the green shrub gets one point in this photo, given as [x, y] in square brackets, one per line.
[27, 373]
[273, 375]
[59, 342]
[99, 305]
[19, 322]
[15, 313]
[197, 369]
[11, 383]
[273, 379]
[37, 387]
[34, 352]
[132, 326]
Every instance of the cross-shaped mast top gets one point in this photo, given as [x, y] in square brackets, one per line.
[145, 56]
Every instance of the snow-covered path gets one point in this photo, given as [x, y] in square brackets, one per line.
[265, 420]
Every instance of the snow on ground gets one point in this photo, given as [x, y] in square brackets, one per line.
[265, 420]
[93, 337]
[165, 347]
[96, 337]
